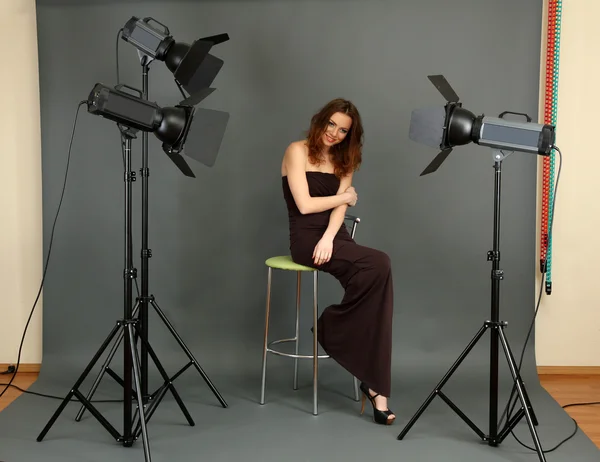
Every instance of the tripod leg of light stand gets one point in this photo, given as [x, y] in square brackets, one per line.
[103, 369]
[514, 390]
[155, 400]
[529, 406]
[438, 390]
[187, 351]
[138, 389]
[75, 391]
[167, 385]
[521, 391]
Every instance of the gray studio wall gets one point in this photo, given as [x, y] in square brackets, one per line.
[211, 235]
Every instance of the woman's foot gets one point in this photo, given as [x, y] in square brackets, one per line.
[381, 413]
[381, 403]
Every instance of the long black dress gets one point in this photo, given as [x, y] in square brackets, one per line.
[357, 332]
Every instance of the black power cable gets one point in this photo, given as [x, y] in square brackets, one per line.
[81, 103]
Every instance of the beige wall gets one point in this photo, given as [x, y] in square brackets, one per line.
[568, 323]
[20, 183]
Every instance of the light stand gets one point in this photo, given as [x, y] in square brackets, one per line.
[125, 328]
[496, 326]
[145, 299]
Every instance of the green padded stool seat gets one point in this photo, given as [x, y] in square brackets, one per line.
[285, 263]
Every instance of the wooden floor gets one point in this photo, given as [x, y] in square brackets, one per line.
[565, 389]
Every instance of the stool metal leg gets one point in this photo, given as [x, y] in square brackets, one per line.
[297, 338]
[315, 343]
[264, 359]
[354, 224]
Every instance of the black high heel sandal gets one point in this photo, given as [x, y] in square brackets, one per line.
[380, 417]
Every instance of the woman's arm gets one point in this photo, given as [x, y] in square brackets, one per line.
[337, 215]
[295, 165]
[324, 248]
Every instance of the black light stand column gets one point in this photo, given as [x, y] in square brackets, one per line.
[131, 359]
[146, 253]
[496, 276]
[128, 275]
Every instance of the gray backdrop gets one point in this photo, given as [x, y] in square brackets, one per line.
[211, 235]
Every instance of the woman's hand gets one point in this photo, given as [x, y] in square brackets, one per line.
[353, 196]
[323, 251]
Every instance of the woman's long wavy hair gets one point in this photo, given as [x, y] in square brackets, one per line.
[347, 155]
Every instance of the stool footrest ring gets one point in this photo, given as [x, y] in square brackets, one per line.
[291, 355]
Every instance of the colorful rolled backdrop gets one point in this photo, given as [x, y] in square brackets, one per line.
[550, 113]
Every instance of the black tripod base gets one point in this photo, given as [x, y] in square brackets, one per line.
[494, 438]
[132, 361]
[155, 398]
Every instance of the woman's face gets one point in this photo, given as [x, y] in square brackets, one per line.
[337, 128]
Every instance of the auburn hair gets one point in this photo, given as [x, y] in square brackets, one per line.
[347, 155]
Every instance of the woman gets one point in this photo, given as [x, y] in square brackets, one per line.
[317, 186]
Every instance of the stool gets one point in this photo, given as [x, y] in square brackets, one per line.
[286, 263]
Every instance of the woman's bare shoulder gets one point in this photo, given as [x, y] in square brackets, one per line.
[296, 155]
[296, 148]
